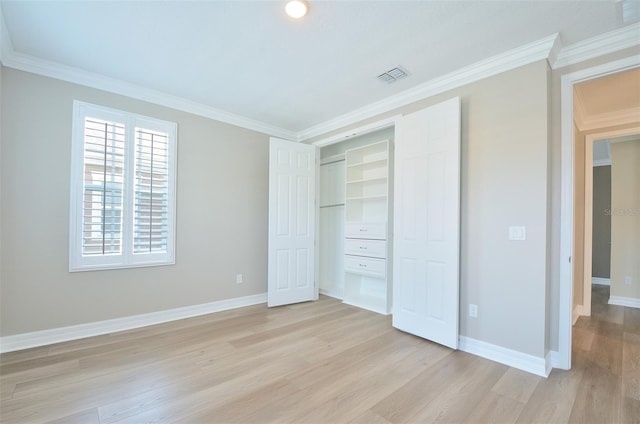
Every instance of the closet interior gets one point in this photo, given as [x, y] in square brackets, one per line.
[355, 220]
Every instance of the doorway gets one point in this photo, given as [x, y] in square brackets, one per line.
[600, 211]
[570, 251]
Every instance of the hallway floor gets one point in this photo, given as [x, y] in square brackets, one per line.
[606, 347]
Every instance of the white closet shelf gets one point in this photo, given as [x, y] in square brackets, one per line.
[377, 197]
[332, 205]
[368, 162]
[367, 180]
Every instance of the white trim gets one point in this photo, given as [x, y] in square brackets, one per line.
[630, 302]
[554, 357]
[609, 119]
[357, 132]
[601, 281]
[548, 363]
[549, 48]
[332, 293]
[566, 196]
[126, 258]
[12, 59]
[529, 363]
[512, 59]
[5, 39]
[609, 42]
[63, 334]
[578, 311]
[587, 229]
[601, 162]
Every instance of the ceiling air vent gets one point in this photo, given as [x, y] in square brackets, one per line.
[392, 75]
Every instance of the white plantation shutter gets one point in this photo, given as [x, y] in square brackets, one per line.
[151, 191]
[102, 194]
[122, 190]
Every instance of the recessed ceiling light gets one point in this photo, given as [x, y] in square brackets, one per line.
[296, 8]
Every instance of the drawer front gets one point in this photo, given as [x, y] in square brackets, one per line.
[366, 266]
[375, 248]
[366, 230]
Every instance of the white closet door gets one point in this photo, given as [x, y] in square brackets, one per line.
[426, 245]
[291, 252]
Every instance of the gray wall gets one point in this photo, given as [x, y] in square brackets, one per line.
[601, 248]
[504, 182]
[505, 120]
[221, 213]
[625, 219]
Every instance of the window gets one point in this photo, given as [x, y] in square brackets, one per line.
[123, 170]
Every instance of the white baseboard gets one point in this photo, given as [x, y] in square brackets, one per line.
[631, 302]
[578, 311]
[556, 360]
[332, 293]
[529, 363]
[601, 281]
[74, 332]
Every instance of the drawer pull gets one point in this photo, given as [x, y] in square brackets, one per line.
[363, 247]
[362, 265]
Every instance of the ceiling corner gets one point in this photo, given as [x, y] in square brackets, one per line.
[609, 42]
[6, 46]
[555, 50]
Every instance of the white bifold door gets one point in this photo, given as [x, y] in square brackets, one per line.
[426, 239]
[292, 219]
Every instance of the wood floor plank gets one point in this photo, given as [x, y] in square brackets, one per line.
[631, 321]
[630, 411]
[631, 366]
[315, 362]
[372, 381]
[553, 398]
[599, 386]
[369, 417]
[85, 417]
[496, 408]
[458, 400]
[407, 400]
[606, 351]
[517, 385]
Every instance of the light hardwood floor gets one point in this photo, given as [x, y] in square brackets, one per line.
[320, 362]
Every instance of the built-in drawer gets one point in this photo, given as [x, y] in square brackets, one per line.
[376, 230]
[367, 266]
[362, 247]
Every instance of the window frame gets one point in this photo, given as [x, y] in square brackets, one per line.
[126, 258]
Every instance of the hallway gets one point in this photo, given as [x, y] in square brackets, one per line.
[606, 347]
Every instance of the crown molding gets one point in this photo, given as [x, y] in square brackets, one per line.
[524, 55]
[5, 40]
[11, 59]
[112, 85]
[609, 119]
[619, 39]
[549, 48]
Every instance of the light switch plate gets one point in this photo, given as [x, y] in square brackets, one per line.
[517, 233]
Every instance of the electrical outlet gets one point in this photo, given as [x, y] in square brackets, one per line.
[473, 310]
[239, 278]
[627, 281]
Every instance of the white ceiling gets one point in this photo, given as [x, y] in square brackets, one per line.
[249, 59]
